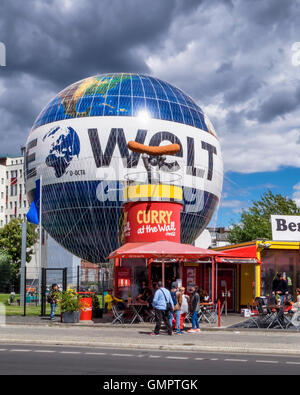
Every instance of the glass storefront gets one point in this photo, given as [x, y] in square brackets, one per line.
[284, 261]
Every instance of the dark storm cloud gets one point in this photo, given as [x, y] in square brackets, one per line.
[51, 44]
[64, 44]
[277, 105]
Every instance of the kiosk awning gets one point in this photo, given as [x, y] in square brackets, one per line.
[245, 254]
[162, 249]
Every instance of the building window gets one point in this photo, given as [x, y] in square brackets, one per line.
[10, 205]
[2, 181]
[24, 203]
[20, 173]
[2, 195]
[13, 190]
[2, 208]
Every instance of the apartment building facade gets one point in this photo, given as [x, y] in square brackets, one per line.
[13, 199]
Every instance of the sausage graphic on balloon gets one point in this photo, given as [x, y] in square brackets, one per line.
[154, 156]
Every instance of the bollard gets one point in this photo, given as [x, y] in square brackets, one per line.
[219, 313]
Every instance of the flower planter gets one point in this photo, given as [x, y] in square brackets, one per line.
[71, 317]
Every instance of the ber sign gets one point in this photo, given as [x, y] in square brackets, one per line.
[285, 227]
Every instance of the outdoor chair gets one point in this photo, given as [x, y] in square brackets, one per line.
[209, 314]
[278, 319]
[263, 317]
[118, 314]
[188, 318]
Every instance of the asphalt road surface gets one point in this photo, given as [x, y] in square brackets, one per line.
[44, 359]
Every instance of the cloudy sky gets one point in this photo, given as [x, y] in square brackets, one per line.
[234, 57]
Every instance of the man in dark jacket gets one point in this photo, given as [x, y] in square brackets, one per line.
[280, 287]
[195, 307]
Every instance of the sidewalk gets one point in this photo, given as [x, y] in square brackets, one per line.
[231, 319]
[138, 337]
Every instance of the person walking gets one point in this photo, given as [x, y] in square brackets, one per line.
[178, 308]
[195, 307]
[163, 304]
[173, 291]
[53, 299]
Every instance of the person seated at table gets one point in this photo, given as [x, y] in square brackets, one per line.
[144, 293]
[280, 287]
[109, 299]
[204, 297]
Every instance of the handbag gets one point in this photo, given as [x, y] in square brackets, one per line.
[169, 305]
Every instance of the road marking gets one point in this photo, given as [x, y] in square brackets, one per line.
[199, 359]
[293, 363]
[177, 357]
[235, 360]
[43, 351]
[95, 353]
[214, 359]
[122, 355]
[266, 361]
[70, 352]
[3, 349]
[16, 350]
[154, 356]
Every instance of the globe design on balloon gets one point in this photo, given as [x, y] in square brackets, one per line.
[63, 149]
[77, 148]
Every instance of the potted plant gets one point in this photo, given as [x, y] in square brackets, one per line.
[129, 297]
[97, 311]
[70, 306]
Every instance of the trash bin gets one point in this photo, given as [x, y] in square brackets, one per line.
[86, 301]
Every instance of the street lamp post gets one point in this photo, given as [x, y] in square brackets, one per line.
[23, 264]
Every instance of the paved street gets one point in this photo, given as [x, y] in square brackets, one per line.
[33, 359]
[139, 338]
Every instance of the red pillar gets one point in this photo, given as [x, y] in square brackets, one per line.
[213, 282]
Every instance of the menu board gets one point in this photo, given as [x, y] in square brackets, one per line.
[190, 278]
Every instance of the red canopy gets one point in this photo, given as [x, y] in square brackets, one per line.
[244, 254]
[162, 249]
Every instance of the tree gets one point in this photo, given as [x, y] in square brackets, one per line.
[5, 272]
[255, 222]
[11, 244]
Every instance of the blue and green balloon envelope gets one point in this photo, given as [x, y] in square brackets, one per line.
[77, 149]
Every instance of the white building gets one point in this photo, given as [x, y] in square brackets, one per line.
[13, 200]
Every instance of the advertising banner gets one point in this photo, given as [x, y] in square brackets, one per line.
[152, 221]
[285, 227]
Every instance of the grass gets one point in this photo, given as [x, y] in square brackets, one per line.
[30, 310]
[19, 310]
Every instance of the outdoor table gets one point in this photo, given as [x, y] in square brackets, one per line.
[136, 308]
[209, 316]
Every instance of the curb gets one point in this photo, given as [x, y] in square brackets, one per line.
[119, 326]
[158, 347]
